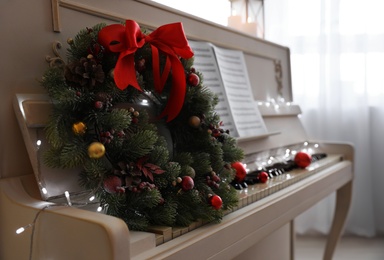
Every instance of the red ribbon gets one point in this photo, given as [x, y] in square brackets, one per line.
[169, 39]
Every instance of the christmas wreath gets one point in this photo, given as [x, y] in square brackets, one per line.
[130, 110]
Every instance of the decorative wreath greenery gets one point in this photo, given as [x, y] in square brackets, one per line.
[131, 111]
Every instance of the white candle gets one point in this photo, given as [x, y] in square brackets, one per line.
[250, 28]
[234, 21]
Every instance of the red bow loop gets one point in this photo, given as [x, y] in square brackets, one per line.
[124, 40]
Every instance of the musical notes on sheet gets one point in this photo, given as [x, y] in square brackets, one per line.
[225, 73]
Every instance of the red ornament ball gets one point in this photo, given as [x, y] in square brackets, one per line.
[303, 159]
[112, 184]
[187, 183]
[263, 177]
[216, 202]
[193, 79]
[241, 172]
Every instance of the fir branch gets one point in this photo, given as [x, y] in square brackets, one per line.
[160, 154]
[57, 88]
[164, 214]
[70, 155]
[73, 154]
[82, 41]
[143, 142]
[57, 128]
[231, 153]
[116, 119]
[92, 174]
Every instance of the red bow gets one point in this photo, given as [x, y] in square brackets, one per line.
[169, 38]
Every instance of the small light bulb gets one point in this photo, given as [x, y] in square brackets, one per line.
[92, 198]
[99, 209]
[68, 198]
[20, 230]
[44, 190]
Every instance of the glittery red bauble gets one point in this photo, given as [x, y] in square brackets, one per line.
[112, 184]
[303, 159]
[187, 183]
[193, 79]
[216, 202]
[241, 172]
[263, 177]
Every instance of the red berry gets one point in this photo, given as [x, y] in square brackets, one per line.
[112, 184]
[216, 202]
[263, 177]
[98, 104]
[216, 178]
[187, 183]
[140, 65]
[120, 189]
[303, 159]
[193, 79]
[241, 172]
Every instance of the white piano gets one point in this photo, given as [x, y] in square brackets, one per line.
[261, 227]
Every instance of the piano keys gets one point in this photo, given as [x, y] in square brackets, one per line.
[255, 191]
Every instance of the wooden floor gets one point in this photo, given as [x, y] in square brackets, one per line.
[349, 248]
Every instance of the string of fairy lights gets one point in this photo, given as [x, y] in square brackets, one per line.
[258, 164]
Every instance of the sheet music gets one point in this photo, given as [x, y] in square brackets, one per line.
[225, 73]
[205, 62]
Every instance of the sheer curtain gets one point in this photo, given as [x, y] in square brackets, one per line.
[337, 55]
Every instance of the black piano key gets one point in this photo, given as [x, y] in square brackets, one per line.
[318, 156]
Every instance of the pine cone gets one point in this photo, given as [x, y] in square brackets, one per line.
[85, 72]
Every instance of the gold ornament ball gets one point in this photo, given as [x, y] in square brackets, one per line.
[194, 121]
[70, 41]
[96, 150]
[79, 128]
